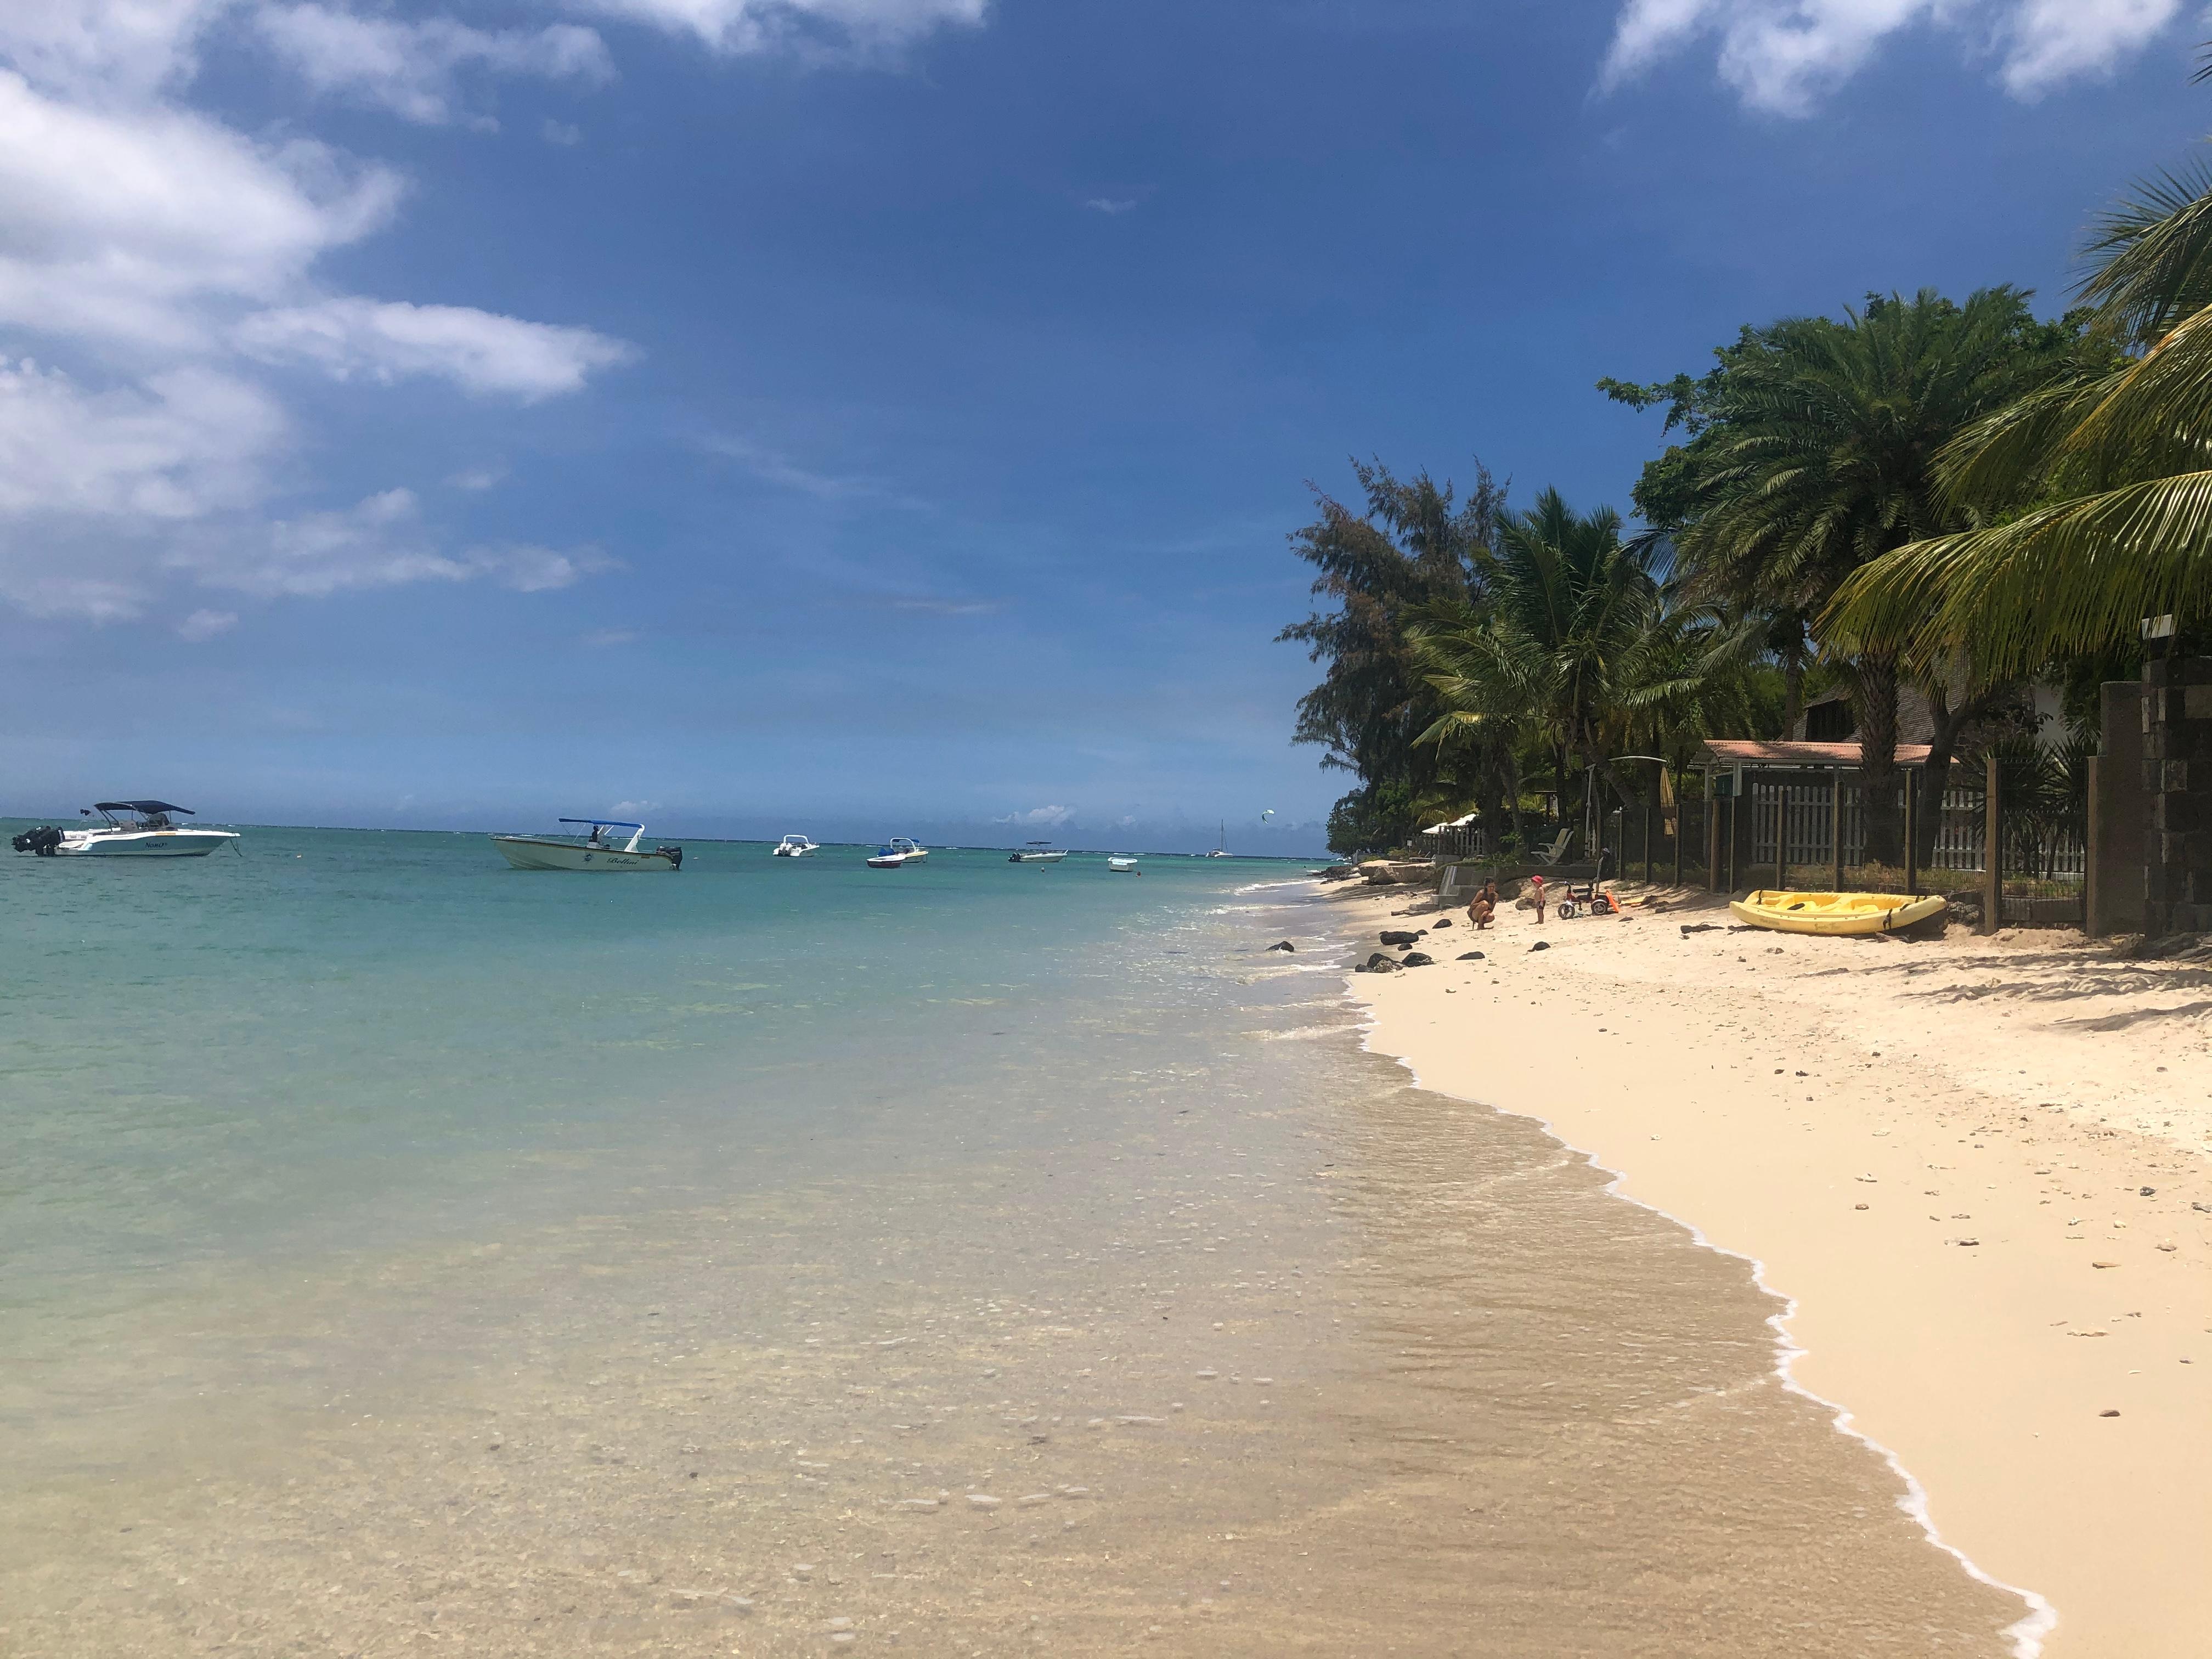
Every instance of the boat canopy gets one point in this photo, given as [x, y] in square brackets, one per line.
[139, 806]
[604, 824]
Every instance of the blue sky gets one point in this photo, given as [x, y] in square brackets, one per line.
[861, 416]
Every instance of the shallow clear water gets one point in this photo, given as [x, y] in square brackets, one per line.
[400, 1249]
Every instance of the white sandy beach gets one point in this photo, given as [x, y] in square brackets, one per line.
[1977, 1167]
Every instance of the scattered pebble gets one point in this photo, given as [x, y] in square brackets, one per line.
[982, 1501]
[2103, 1264]
[2108, 1413]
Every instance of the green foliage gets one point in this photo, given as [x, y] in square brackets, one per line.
[1414, 546]
[1373, 818]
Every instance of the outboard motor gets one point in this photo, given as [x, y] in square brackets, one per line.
[44, 841]
[675, 856]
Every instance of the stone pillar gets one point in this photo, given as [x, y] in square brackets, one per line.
[2177, 772]
[2119, 812]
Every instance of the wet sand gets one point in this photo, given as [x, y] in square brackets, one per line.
[1940, 1151]
[1261, 1351]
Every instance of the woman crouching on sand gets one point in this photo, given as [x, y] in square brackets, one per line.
[1484, 906]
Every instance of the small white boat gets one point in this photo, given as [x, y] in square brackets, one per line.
[794, 846]
[1221, 848]
[145, 831]
[1121, 866]
[594, 850]
[898, 852]
[1037, 852]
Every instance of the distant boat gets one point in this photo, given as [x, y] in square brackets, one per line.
[1121, 866]
[1221, 848]
[591, 851]
[145, 832]
[1037, 852]
[898, 852]
[794, 846]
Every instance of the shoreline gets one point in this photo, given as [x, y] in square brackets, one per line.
[1976, 1358]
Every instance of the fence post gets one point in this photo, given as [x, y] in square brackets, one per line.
[1681, 822]
[1735, 836]
[1836, 821]
[1781, 837]
[1713, 836]
[1912, 835]
[1992, 850]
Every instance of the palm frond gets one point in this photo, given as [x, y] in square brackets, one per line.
[2072, 578]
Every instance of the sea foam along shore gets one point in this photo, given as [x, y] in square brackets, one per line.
[1972, 1168]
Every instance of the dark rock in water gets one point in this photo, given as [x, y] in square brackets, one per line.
[1379, 963]
[1417, 959]
[1542, 945]
[1282, 944]
[1471, 955]
[1400, 936]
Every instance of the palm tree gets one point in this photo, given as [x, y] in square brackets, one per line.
[2089, 503]
[1818, 458]
[1579, 648]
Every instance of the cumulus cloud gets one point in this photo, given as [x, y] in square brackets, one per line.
[744, 26]
[1112, 206]
[388, 340]
[1784, 56]
[412, 68]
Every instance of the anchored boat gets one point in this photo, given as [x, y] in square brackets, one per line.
[897, 853]
[593, 850]
[794, 846]
[1835, 913]
[1037, 852]
[145, 830]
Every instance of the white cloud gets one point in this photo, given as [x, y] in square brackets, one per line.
[2052, 40]
[560, 133]
[478, 477]
[411, 68]
[121, 224]
[1784, 56]
[186, 443]
[378, 542]
[1039, 818]
[203, 625]
[606, 639]
[389, 340]
[1112, 206]
[743, 26]
[105, 48]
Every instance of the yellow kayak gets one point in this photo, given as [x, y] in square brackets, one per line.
[1835, 913]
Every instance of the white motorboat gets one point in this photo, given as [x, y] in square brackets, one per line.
[595, 849]
[1121, 866]
[794, 846]
[897, 853]
[144, 831]
[1037, 852]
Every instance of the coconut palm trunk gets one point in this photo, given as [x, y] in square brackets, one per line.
[1882, 806]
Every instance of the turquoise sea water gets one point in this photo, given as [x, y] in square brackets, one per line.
[348, 1039]
[399, 1253]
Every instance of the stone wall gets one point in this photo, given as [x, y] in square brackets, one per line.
[2177, 774]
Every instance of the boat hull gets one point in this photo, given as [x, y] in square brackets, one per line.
[1836, 915]
[145, 844]
[528, 853]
